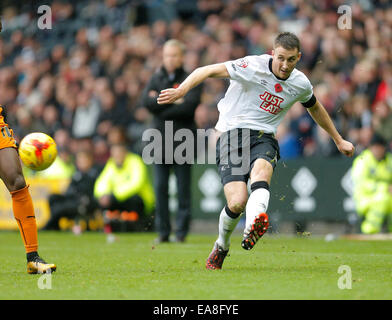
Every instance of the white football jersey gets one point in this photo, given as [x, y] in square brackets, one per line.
[256, 98]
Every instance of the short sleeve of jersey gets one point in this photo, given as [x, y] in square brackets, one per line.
[242, 69]
[307, 92]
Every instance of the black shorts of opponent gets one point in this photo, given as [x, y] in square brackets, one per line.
[238, 149]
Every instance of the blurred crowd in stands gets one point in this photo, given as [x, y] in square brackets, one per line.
[84, 77]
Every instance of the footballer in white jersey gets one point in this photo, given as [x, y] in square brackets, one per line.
[262, 89]
[257, 99]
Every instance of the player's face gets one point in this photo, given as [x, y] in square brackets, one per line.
[172, 58]
[284, 61]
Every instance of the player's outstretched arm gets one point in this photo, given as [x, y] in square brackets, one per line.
[195, 78]
[321, 116]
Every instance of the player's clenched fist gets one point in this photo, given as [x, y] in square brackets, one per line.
[170, 95]
[346, 148]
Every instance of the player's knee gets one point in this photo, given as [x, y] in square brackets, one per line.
[15, 182]
[237, 205]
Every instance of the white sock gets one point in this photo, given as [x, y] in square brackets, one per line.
[257, 203]
[226, 227]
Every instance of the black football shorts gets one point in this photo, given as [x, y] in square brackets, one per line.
[238, 149]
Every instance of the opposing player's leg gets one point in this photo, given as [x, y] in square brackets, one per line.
[256, 209]
[236, 195]
[22, 205]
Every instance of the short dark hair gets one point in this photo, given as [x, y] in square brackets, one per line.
[287, 40]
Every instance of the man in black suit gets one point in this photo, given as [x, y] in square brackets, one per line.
[178, 115]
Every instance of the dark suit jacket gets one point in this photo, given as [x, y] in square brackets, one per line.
[181, 115]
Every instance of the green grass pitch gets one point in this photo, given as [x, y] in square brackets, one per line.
[134, 268]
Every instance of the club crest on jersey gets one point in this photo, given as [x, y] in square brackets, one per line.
[243, 63]
[271, 103]
[292, 92]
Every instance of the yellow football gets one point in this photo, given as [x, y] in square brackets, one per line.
[37, 151]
